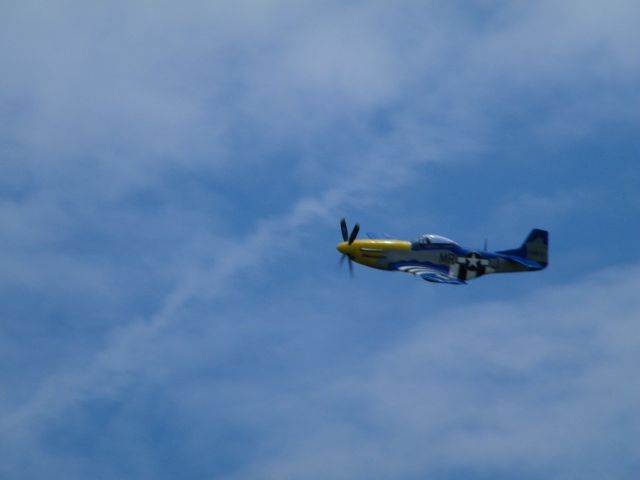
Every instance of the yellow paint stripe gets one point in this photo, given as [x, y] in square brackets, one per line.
[382, 245]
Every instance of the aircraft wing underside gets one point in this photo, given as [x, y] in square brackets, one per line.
[430, 274]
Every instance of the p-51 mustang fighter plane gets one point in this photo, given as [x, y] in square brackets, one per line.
[437, 259]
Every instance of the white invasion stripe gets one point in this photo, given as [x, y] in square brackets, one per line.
[419, 270]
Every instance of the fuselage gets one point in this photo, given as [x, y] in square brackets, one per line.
[402, 255]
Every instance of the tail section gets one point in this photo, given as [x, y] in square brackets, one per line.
[534, 248]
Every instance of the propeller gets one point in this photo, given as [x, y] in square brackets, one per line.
[349, 238]
[350, 264]
[345, 231]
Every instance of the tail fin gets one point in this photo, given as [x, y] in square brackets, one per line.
[535, 247]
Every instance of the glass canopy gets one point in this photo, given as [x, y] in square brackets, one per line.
[431, 239]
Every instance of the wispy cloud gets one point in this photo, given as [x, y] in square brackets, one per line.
[128, 131]
[531, 386]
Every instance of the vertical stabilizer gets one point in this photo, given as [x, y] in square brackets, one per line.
[535, 247]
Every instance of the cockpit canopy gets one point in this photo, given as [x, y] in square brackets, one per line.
[431, 239]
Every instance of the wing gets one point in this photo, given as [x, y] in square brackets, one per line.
[431, 274]
[441, 278]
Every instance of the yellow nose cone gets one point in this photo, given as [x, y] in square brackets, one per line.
[343, 247]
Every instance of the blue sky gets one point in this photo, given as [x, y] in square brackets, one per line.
[172, 178]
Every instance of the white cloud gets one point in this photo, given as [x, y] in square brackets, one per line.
[103, 101]
[542, 209]
[531, 386]
[137, 86]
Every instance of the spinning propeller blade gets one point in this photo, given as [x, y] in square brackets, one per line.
[342, 259]
[345, 231]
[349, 239]
[354, 233]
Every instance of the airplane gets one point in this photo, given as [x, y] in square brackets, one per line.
[438, 259]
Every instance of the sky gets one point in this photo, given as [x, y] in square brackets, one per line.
[172, 176]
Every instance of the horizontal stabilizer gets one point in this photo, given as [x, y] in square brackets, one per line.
[524, 261]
